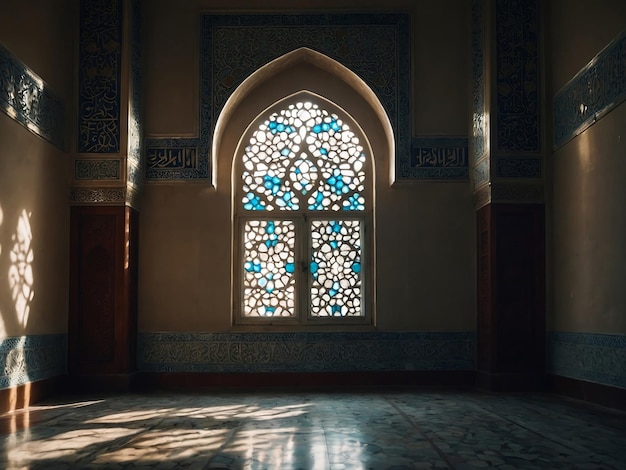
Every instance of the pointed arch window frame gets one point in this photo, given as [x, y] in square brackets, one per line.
[303, 220]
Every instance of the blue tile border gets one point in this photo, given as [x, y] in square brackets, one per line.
[599, 358]
[596, 89]
[27, 99]
[30, 358]
[439, 158]
[304, 352]
[232, 47]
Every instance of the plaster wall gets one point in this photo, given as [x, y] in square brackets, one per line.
[589, 222]
[425, 242]
[34, 211]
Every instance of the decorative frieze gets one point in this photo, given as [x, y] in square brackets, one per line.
[29, 358]
[599, 87]
[97, 169]
[518, 167]
[374, 46]
[27, 99]
[439, 158]
[304, 352]
[599, 358]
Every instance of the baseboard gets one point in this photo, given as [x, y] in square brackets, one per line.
[599, 394]
[149, 381]
[22, 396]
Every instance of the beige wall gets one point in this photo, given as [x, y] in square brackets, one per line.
[589, 221]
[425, 245]
[34, 213]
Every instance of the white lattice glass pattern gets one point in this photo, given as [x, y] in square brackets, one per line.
[303, 158]
[269, 268]
[336, 284]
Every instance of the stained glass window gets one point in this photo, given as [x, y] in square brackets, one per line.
[303, 157]
[304, 167]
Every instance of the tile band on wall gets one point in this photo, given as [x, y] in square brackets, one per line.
[598, 358]
[26, 359]
[27, 99]
[304, 352]
[598, 88]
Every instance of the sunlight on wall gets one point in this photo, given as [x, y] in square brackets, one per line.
[2, 327]
[15, 364]
[1, 217]
[21, 270]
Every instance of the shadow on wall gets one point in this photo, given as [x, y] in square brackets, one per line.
[18, 254]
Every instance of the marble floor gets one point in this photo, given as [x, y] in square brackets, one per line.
[377, 430]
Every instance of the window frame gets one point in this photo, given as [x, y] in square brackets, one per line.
[302, 219]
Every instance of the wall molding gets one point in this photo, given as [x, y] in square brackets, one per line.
[599, 358]
[28, 100]
[304, 352]
[26, 359]
[595, 90]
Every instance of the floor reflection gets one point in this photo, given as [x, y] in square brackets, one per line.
[314, 431]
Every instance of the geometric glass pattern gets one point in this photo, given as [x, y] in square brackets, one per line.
[335, 268]
[269, 266]
[300, 157]
[299, 163]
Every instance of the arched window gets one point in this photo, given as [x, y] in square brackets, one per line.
[303, 208]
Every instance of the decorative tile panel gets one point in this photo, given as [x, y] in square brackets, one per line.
[135, 159]
[374, 46]
[304, 352]
[99, 88]
[599, 87]
[591, 357]
[518, 167]
[439, 158]
[98, 196]
[27, 359]
[482, 197]
[480, 173]
[173, 162]
[478, 82]
[97, 169]
[518, 82]
[27, 99]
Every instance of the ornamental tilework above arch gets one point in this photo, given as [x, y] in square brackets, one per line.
[375, 47]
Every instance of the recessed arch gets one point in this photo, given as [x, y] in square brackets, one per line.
[301, 69]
